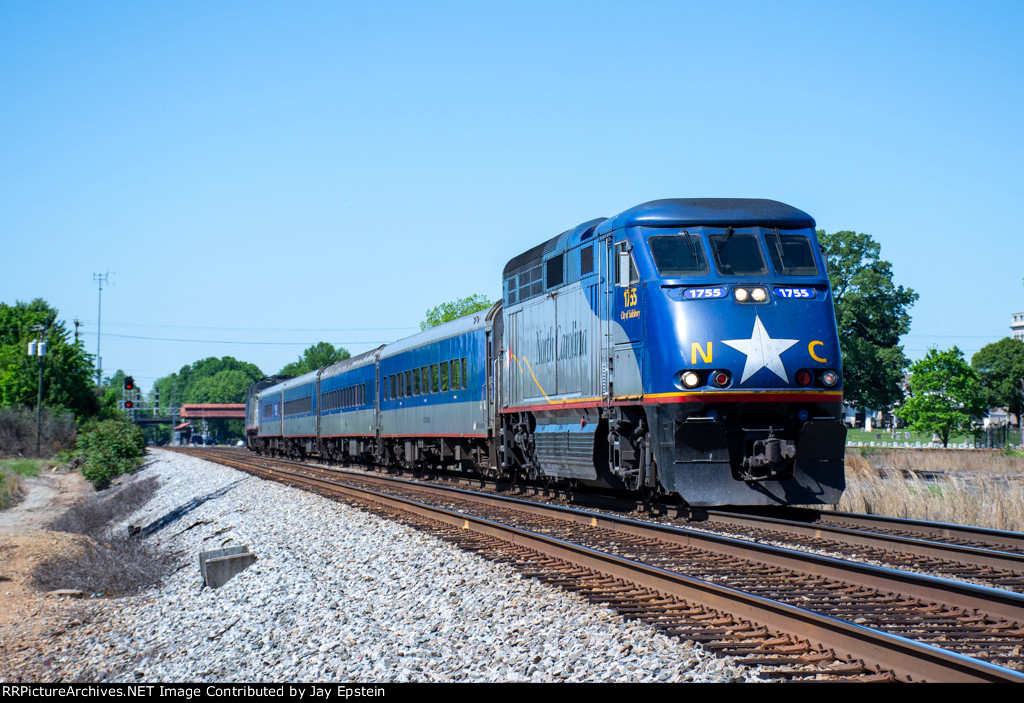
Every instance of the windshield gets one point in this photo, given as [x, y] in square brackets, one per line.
[738, 254]
[678, 255]
[791, 254]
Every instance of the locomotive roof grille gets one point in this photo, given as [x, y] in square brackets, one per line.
[533, 257]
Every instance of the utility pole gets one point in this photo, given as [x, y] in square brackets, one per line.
[100, 279]
[37, 347]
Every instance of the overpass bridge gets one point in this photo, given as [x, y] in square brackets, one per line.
[196, 411]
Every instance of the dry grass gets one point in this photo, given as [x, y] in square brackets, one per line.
[93, 517]
[11, 473]
[985, 489]
[10, 489]
[105, 562]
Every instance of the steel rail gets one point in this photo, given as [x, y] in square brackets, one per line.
[909, 659]
[995, 602]
[934, 530]
[917, 546]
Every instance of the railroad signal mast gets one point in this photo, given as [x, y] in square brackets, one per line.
[129, 395]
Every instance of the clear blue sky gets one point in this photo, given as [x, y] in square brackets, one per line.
[263, 176]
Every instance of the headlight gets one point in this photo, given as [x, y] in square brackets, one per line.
[690, 379]
[829, 378]
[755, 294]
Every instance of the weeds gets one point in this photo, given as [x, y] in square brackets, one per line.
[93, 517]
[11, 473]
[10, 489]
[975, 488]
[18, 431]
[105, 563]
[24, 467]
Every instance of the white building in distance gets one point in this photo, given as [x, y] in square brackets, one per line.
[1017, 325]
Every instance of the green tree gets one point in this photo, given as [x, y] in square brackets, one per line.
[944, 395]
[67, 367]
[210, 380]
[1000, 367]
[872, 313]
[315, 357]
[446, 312]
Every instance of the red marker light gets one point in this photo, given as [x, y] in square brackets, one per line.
[803, 378]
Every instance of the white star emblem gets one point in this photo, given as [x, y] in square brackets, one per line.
[762, 351]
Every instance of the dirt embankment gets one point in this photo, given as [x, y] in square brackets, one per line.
[32, 623]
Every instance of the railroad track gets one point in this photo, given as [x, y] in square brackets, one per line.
[990, 557]
[800, 616]
[975, 555]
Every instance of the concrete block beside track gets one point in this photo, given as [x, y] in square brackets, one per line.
[219, 565]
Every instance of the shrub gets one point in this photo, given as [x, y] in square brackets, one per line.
[110, 448]
[18, 431]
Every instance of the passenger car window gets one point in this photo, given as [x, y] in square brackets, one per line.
[738, 254]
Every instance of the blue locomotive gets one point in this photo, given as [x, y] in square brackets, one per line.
[686, 347]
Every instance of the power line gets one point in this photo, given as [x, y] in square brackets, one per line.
[254, 329]
[267, 344]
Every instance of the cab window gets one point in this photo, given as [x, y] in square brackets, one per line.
[678, 255]
[738, 254]
[791, 254]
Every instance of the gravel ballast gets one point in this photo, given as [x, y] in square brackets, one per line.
[340, 594]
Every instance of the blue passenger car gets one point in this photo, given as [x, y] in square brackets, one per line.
[348, 409]
[436, 397]
[257, 416]
[268, 417]
[299, 413]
